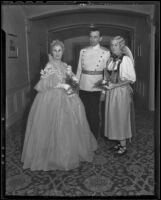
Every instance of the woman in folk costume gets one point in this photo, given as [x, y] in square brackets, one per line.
[120, 73]
[57, 134]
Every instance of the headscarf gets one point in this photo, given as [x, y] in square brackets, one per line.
[125, 49]
[128, 53]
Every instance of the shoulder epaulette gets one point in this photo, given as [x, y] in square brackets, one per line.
[104, 48]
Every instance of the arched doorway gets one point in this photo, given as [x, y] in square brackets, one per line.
[76, 37]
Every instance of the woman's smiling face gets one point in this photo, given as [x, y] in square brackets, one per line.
[115, 47]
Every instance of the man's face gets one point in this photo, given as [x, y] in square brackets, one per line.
[95, 38]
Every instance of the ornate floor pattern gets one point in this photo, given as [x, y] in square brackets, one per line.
[109, 175]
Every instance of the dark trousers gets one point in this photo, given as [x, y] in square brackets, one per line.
[91, 104]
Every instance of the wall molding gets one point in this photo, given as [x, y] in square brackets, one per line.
[16, 88]
[94, 9]
[16, 103]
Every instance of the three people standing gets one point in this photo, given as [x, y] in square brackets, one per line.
[57, 134]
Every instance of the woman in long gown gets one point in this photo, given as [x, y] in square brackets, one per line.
[119, 123]
[57, 133]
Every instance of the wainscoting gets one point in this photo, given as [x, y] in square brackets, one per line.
[16, 102]
[139, 88]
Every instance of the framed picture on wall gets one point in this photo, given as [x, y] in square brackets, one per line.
[12, 46]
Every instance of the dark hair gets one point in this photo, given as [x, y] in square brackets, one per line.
[95, 29]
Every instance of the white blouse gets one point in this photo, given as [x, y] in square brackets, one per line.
[127, 71]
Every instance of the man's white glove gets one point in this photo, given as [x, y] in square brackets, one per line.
[75, 79]
[66, 86]
[104, 82]
[69, 69]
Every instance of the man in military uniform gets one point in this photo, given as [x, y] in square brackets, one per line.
[92, 61]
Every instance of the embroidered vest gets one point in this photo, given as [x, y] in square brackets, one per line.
[113, 75]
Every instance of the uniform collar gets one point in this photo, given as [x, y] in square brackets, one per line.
[96, 47]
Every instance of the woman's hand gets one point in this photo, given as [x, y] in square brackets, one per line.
[111, 86]
[63, 85]
[66, 86]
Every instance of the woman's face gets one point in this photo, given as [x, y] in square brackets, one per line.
[57, 52]
[115, 47]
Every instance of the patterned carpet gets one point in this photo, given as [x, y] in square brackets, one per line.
[109, 175]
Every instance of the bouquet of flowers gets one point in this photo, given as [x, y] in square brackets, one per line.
[101, 84]
[72, 81]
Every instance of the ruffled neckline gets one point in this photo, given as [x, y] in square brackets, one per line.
[117, 57]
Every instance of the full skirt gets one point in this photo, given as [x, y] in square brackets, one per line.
[119, 121]
[57, 133]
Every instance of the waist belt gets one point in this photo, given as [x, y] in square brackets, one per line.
[92, 72]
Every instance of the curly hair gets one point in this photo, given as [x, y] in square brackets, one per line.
[124, 49]
[55, 43]
[120, 40]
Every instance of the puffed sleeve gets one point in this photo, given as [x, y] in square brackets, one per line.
[127, 71]
[79, 69]
[50, 82]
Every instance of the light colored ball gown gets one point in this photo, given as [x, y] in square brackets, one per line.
[57, 133]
